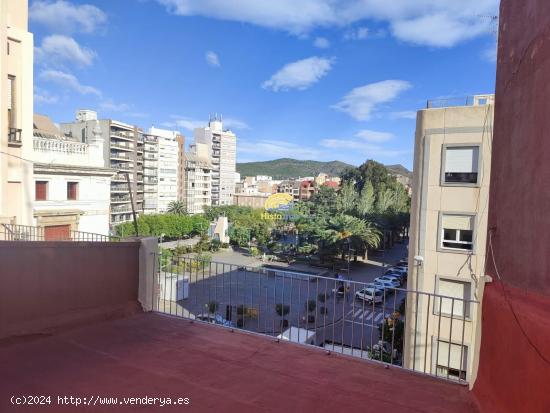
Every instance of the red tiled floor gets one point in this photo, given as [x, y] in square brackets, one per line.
[158, 356]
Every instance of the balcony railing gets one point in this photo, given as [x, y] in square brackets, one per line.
[122, 145]
[120, 155]
[121, 178]
[122, 166]
[419, 331]
[116, 199]
[14, 137]
[475, 100]
[121, 209]
[59, 146]
[10, 232]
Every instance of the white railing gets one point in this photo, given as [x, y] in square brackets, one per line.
[57, 145]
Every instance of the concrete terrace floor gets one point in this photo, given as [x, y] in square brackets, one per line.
[161, 356]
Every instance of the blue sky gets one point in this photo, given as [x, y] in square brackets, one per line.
[314, 79]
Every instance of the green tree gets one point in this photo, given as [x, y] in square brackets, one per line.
[176, 207]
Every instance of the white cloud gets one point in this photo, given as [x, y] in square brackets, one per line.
[300, 74]
[367, 149]
[184, 123]
[212, 59]
[278, 149]
[321, 43]
[404, 114]
[374, 136]
[440, 30]
[111, 106]
[43, 97]
[68, 81]
[359, 33]
[440, 23]
[360, 102]
[490, 54]
[65, 17]
[233, 123]
[190, 124]
[57, 49]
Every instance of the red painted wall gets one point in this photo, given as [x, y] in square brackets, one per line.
[514, 373]
[47, 285]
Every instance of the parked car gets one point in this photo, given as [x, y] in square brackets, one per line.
[399, 275]
[387, 281]
[397, 270]
[402, 263]
[395, 277]
[215, 319]
[370, 295]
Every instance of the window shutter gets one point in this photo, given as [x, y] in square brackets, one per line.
[455, 289]
[10, 92]
[462, 222]
[454, 361]
[463, 159]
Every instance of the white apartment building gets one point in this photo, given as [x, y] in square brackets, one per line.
[448, 236]
[123, 151]
[150, 174]
[222, 148]
[16, 117]
[167, 187]
[71, 184]
[198, 179]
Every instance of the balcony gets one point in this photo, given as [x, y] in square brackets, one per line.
[109, 348]
[121, 209]
[120, 199]
[122, 166]
[124, 146]
[14, 137]
[120, 156]
[119, 188]
[121, 178]
[127, 136]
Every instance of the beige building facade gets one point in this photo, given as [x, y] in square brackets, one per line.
[251, 200]
[448, 234]
[16, 118]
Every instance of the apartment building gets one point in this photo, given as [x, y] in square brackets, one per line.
[290, 187]
[16, 118]
[251, 200]
[150, 173]
[222, 149]
[168, 156]
[71, 184]
[198, 179]
[123, 150]
[448, 235]
[181, 167]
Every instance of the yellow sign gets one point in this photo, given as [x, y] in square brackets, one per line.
[277, 201]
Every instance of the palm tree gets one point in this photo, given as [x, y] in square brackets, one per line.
[176, 207]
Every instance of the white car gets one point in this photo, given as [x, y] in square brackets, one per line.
[387, 281]
[370, 294]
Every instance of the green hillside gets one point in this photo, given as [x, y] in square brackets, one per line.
[291, 168]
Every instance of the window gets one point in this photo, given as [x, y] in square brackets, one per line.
[457, 232]
[450, 360]
[461, 164]
[11, 101]
[41, 190]
[461, 290]
[72, 191]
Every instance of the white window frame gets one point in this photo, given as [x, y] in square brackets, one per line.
[444, 148]
[439, 365]
[441, 239]
[448, 302]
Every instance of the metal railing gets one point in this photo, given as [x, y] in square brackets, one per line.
[14, 136]
[399, 327]
[11, 232]
[475, 100]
